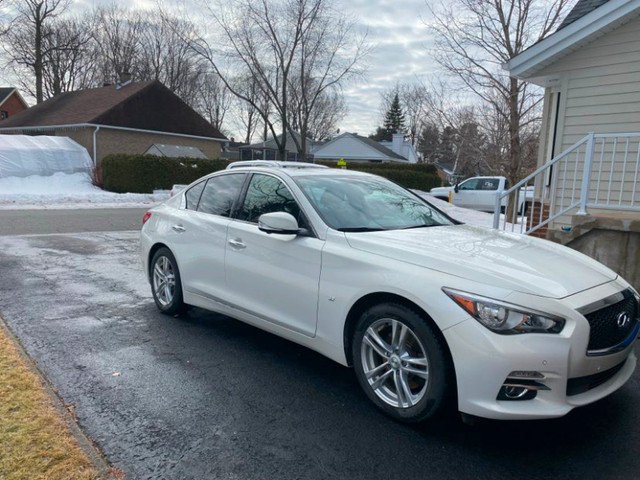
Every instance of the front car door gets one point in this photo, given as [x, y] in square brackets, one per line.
[273, 277]
[467, 193]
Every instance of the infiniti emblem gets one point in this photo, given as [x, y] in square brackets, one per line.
[623, 319]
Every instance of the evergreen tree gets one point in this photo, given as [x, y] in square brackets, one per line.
[380, 135]
[394, 118]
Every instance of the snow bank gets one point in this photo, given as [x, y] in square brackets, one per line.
[465, 215]
[62, 190]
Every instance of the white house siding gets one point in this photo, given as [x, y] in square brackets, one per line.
[600, 93]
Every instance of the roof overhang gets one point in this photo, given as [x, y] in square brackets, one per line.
[15, 90]
[603, 19]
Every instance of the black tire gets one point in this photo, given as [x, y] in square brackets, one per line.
[425, 397]
[169, 301]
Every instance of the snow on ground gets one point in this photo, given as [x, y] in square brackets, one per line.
[465, 215]
[62, 190]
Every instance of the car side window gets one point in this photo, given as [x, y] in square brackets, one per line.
[192, 197]
[471, 184]
[489, 184]
[267, 194]
[220, 194]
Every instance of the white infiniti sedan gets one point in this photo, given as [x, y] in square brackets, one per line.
[427, 311]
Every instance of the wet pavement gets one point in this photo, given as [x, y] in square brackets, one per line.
[204, 396]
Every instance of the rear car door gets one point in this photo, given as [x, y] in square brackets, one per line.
[274, 277]
[201, 233]
[488, 188]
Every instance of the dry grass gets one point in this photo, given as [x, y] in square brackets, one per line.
[35, 442]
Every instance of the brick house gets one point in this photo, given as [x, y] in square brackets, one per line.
[11, 102]
[126, 118]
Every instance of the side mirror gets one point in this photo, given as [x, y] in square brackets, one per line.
[281, 223]
[456, 188]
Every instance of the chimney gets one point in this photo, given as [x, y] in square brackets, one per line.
[397, 139]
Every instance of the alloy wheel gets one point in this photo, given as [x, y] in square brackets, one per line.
[164, 281]
[395, 363]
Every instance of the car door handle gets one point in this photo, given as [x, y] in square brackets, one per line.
[179, 228]
[237, 244]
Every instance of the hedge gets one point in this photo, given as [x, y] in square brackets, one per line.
[420, 176]
[369, 166]
[144, 173]
[407, 178]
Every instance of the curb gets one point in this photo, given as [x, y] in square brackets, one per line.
[84, 442]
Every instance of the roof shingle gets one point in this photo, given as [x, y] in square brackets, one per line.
[579, 10]
[142, 105]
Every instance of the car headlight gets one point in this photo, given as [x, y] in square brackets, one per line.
[505, 318]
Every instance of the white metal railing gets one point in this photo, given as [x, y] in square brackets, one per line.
[599, 171]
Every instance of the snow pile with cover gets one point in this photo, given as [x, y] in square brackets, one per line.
[25, 155]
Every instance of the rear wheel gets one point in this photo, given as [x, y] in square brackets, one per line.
[400, 363]
[165, 282]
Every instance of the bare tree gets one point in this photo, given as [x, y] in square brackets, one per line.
[278, 42]
[414, 98]
[70, 60]
[328, 110]
[475, 37]
[27, 44]
[117, 35]
[247, 116]
[168, 58]
[212, 99]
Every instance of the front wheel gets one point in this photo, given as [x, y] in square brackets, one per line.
[165, 282]
[400, 363]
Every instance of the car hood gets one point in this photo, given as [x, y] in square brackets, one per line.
[507, 260]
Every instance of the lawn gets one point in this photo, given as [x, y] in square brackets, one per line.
[35, 440]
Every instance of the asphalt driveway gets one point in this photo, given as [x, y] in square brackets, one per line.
[203, 396]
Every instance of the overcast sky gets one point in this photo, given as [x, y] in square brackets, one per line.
[400, 40]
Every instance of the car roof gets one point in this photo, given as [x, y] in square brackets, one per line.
[273, 164]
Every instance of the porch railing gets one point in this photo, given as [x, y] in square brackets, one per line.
[599, 171]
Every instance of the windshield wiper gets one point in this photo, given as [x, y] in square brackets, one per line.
[360, 229]
[424, 225]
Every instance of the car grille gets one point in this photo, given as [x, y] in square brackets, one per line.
[576, 386]
[605, 329]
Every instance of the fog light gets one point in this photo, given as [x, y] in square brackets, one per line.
[516, 392]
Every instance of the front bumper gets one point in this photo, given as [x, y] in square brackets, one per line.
[484, 360]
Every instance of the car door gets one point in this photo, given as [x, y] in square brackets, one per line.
[467, 194]
[274, 277]
[201, 231]
[488, 188]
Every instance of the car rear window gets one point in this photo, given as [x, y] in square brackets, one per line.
[193, 196]
[220, 194]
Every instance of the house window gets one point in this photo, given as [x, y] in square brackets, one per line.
[4, 114]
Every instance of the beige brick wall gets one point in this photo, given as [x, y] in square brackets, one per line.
[118, 141]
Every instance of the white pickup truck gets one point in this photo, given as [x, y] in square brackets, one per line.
[479, 193]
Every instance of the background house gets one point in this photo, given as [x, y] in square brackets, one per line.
[353, 147]
[125, 118]
[589, 180]
[11, 102]
[268, 149]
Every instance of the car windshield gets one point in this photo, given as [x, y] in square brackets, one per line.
[358, 204]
